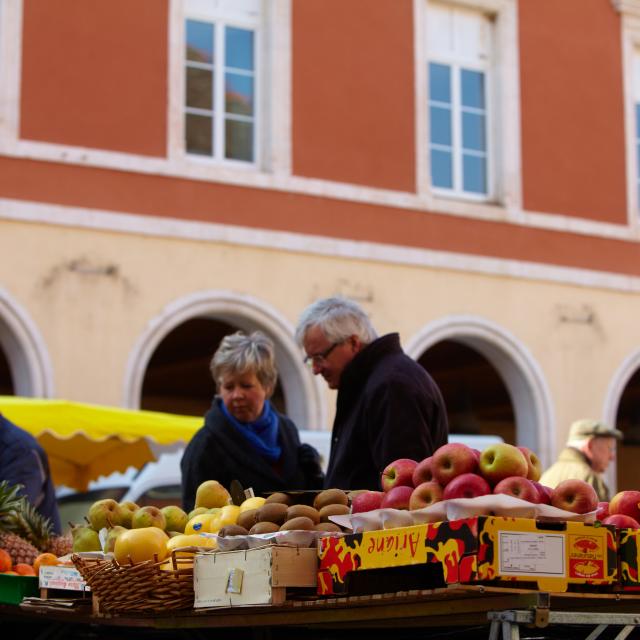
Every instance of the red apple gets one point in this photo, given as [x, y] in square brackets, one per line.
[501, 460]
[425, 494]
[452, 460]
[467, 485]
[575, 495]
[366, 501]
[602, 511]
[621, 521]
[534, 466]
[397, 497]
[423, 472]
[544, 492]
[518, 487]
[626, 503]
[477, 454]
[398, 474]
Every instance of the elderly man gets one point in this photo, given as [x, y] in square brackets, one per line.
[388, 407]
[590, 448]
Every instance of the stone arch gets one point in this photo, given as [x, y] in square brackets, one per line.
[612, 400]
[25, 349]
[303, 395]
[519, 371]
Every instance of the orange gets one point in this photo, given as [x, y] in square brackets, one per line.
[5, 561]
[44, 559]
[24, 569]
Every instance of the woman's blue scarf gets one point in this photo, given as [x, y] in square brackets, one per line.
[262, 434]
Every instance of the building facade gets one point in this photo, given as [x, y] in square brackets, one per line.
[172, 170]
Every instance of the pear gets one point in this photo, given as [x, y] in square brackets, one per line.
[176, 518]
[196, 512]
[85, 539]
[105, 513]
[212, 494]
[129, 508]
[112, 536]
[148, 516]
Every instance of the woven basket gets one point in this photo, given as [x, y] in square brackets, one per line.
[140, 587]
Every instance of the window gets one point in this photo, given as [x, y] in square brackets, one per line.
[221, 79]
[458, 68]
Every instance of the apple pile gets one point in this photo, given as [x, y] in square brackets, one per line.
[458, 471]
[623, 511]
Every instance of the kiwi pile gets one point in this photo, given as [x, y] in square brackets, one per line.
[281, 513]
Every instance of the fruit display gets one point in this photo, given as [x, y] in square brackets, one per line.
[24, 534]
[456, 470]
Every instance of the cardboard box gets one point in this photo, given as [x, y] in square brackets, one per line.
[259, 576]
[14, 588]
[629, 559]
[485, 549]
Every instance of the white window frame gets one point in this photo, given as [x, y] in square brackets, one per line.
[222, 15]
[630, 15]
[503, 113]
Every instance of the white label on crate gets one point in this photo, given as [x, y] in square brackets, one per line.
[234, 581]
[531, 554]
[59, 577]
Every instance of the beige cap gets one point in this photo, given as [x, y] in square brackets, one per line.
[586, 428]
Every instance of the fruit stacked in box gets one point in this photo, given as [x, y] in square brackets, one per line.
[26, 538]
[480, 549]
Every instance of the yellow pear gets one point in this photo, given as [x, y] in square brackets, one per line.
[212, 494]
[252, 503]
[227, 515]
[200, 523]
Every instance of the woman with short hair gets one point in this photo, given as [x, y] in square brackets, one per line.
[244, 437]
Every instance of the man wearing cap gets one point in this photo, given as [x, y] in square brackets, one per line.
[590, 448]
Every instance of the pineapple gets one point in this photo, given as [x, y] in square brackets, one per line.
[24, 533]
[60, 545]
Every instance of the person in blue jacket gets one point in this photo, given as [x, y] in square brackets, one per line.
[23, 461]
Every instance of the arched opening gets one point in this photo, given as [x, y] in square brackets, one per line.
[177, 379]
[628, 421]
[475, 395]
[199, 321]
[483, 353]
[6, 379]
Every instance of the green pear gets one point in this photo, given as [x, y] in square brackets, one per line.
[112, 536]
[105, 513]
[176, 518]
[85, 539]
[148, 516]
[129, 508]
[197, 512]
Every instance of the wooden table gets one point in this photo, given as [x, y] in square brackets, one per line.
[452, 607]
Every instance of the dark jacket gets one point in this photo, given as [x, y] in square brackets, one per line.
[219, 452]
[23, 461]
[388, 407]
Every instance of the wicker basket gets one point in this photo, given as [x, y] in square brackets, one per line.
[140, 587]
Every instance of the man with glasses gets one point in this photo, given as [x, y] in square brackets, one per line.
[388, 407]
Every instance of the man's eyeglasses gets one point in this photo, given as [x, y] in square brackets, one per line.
[319, 358]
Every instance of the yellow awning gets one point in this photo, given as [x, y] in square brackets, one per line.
[85, 441]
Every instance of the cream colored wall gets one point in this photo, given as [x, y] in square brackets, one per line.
[92, 294]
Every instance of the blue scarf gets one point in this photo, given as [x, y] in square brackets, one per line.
[262, 434]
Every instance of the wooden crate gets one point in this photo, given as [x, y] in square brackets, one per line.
[264, 575]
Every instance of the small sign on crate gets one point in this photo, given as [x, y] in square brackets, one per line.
[62, 577]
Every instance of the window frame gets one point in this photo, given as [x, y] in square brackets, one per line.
[504, 173]
[221, 20]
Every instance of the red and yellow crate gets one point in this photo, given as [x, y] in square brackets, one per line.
[481, 549]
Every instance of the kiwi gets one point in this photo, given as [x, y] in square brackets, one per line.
[279, 497]
[264, 527]
[232, 530]
[333, 510]
[328, 526]
[272, 512]
[298, 523]
[247, 518]
[330, 496]
[298, 510]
